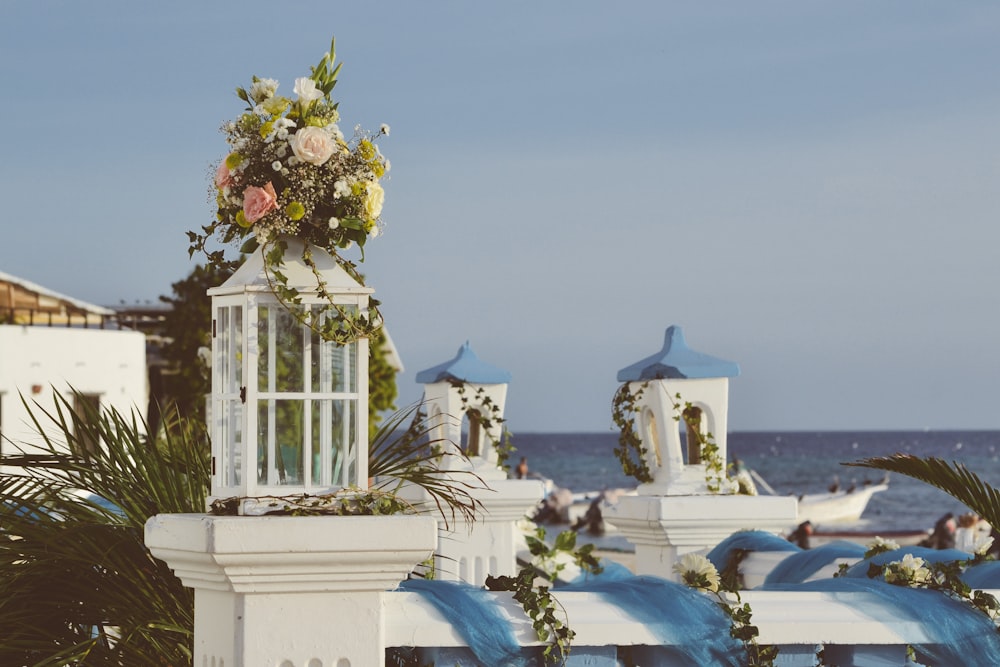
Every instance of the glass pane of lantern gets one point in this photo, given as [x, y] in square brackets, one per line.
[333, 366]
[335, 460]
[281, 350]
[231, 431]
[280, 454]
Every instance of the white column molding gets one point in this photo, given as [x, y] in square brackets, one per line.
[280, 590]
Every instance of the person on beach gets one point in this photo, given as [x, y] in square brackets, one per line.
[522, 468]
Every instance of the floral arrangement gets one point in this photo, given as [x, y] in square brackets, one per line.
[290, 172]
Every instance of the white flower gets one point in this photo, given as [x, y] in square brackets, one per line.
[374, 197]
[982, 545]
[384, 129]
[276, 165]
[334, 223]
[312, 145]
[306, 89]
[263, 89]
[910, 570]
[881, 545]
[697, 571]
[341, 188]
[281, 150]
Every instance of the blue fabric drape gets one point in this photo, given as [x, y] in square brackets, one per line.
[958, 634]
[747, 540]
[983, 576]
[801, 565]
[692, 628]
[474, 613]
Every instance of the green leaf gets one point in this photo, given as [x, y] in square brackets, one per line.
[249, 246]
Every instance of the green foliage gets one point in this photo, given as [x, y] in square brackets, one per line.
[77, 584]
[535, 597]
[186, 380]
[954, 479]
[382, 389]
[630, 450]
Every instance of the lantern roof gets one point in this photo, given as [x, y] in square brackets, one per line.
[677, 360]
[252, 276]
[466, 367]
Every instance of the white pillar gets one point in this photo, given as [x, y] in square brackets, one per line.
[664, 528]
[290, 591]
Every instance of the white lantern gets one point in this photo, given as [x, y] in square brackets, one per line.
[289, 410]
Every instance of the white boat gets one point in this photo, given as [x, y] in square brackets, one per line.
[834, 506]
[837, 506]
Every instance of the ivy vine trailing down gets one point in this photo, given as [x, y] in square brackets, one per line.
[541, 607]
[503, 446]
[698, 572]
[290, 172]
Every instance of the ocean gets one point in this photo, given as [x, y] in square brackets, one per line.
[792, 463]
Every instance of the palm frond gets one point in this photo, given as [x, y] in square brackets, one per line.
[77, 584]
[414, 456]
[953, 478]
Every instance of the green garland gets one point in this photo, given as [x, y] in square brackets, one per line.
[536, 598]
[630, 450]
[503, 446]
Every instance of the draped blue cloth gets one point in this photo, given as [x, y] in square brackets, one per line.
[957, 633]
[983, 576]
[747, 540]
[801, 565]
[691, 628]
[475, 614]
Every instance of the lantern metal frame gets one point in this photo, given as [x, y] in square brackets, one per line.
[274, 377]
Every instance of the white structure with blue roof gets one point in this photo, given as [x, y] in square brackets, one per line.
[666, 382]
[455, 392]
[676, 513]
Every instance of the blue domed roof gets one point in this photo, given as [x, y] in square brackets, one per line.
[677, 360]
[465, 367]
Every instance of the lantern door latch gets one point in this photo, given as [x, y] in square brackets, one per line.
[243, 394]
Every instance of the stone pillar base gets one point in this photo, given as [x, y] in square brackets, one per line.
[664, 528]
[277, 590]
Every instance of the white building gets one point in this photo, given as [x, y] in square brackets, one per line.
[51, 344]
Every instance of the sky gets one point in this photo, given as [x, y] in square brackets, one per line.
[808, 189]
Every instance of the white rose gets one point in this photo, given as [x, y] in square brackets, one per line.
[312, 145]
[374, 196]
[262, 89]
[306, 89]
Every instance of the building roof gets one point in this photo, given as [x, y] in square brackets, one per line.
[24, 302]
[677, 360]
[465, 367]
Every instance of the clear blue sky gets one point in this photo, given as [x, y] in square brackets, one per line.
[809, 189]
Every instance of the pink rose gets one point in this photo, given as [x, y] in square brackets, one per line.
[312, 144]
[258, 202]
[223, 177]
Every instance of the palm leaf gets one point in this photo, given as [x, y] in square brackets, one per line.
[77, 584]
[953, 478]
[398, 457]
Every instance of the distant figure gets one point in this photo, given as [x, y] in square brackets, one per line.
[835, 486]
[943, 535]
[800, 536]
[522, 468]
[555, 507]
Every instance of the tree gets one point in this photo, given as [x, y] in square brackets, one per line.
[187, 327]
